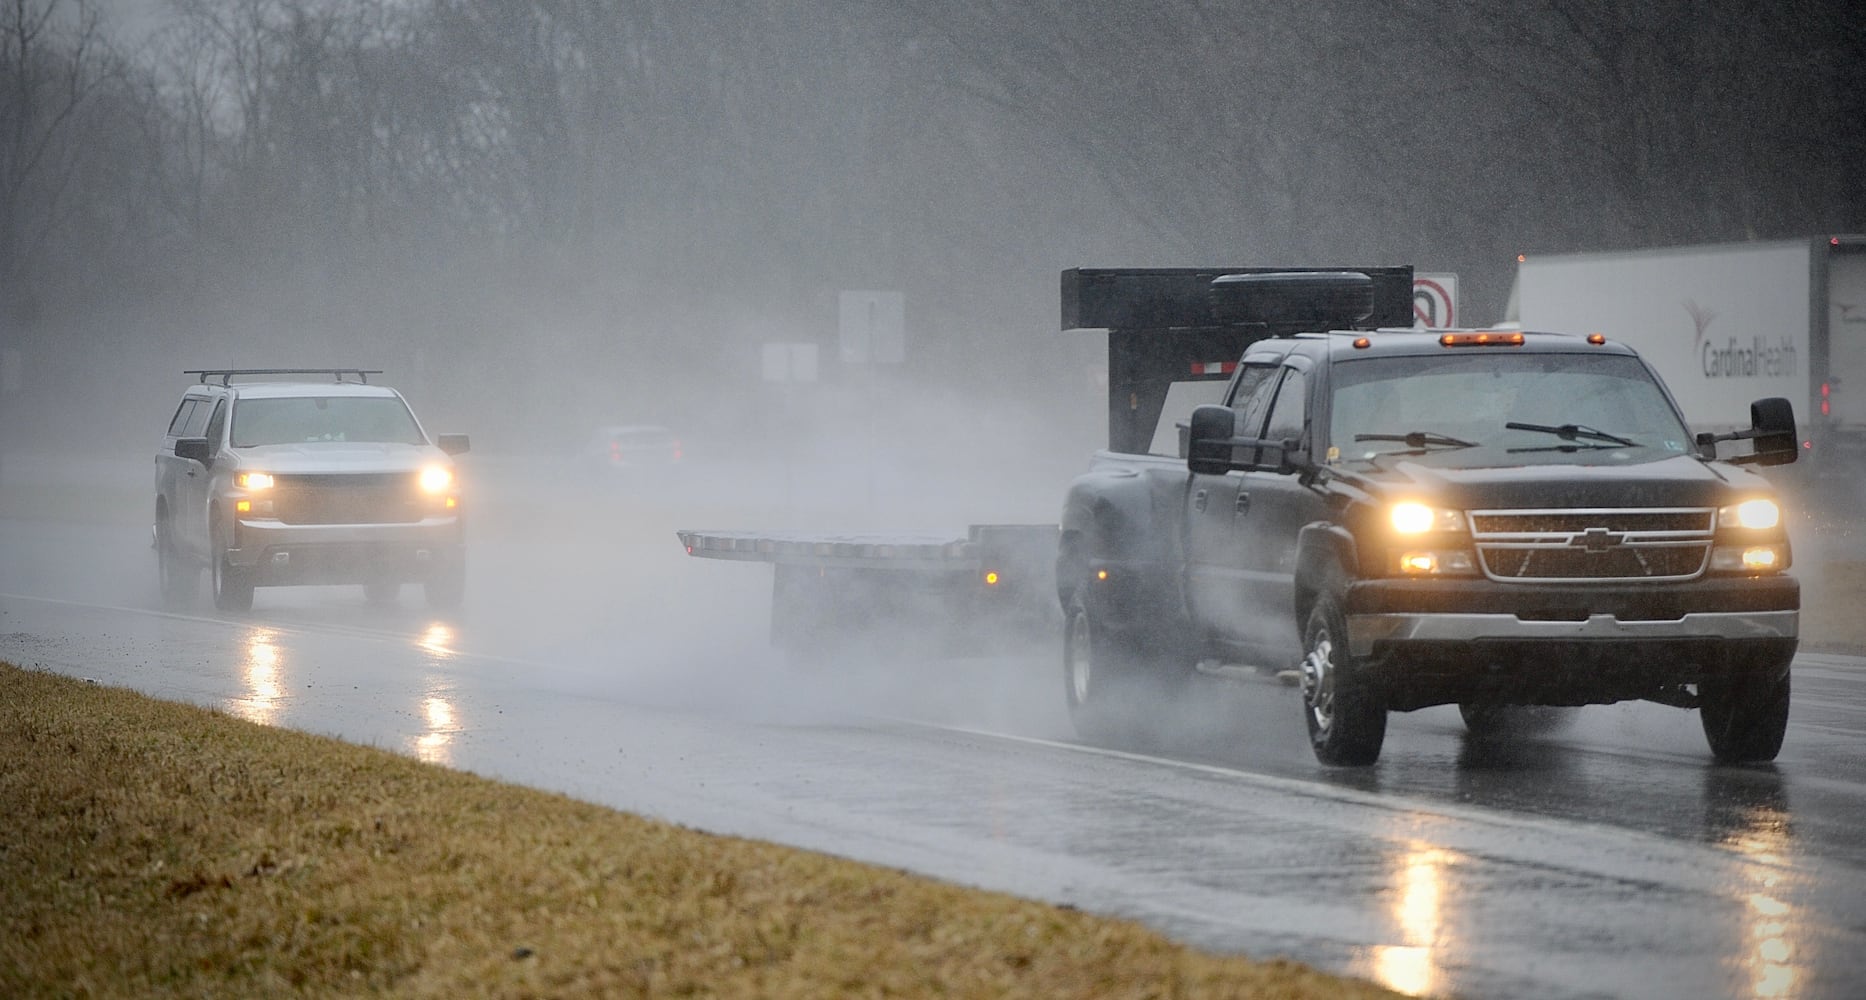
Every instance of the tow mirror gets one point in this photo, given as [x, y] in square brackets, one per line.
[1771, 427]
[193, 449]
[1208, 442]
[452, 444]
[1772, 423]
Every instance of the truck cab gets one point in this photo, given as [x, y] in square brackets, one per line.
[1410, 518]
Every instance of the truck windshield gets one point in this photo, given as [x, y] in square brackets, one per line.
[1512, 409]
[311, 419]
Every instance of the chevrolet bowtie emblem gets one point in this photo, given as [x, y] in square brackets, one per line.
[1597, 540]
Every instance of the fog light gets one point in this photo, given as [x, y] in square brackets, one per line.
[1443, 562]
[1749, 559]
[1760, 558]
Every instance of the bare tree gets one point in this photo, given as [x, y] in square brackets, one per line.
[53, 61]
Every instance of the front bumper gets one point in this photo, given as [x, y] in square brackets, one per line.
[273, 553]
[1433, 642]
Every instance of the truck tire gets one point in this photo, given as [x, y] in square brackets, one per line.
[1098, 668]
[1347, 720]
[178, 576]
[232, 590]
[1745, 713]
[1111, 676]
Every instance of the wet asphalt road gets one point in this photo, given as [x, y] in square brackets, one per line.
[1606, 856]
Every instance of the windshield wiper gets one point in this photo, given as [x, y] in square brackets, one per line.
[1569, 432]
[1420, 439]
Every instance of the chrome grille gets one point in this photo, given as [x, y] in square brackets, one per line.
[1577, 545]
[375, 498]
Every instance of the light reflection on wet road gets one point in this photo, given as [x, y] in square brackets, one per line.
[1607, 856]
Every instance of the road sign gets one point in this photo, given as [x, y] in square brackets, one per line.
[1434, 300]
[873, 327]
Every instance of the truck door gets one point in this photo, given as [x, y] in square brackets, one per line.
[1272, 507]
[192, 479]
[172, 470]
[1215, 587]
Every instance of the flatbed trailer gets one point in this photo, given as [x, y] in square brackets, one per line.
[1171, 345]
[952, 595]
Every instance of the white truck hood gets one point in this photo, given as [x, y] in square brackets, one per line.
[339, 457]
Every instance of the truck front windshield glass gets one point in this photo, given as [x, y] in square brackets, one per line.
[1568, 408]
[314, 419]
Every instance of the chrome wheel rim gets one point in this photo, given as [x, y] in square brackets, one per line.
[1318, 680]
[1081, 664]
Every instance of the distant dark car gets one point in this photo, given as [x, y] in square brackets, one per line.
[633, 448]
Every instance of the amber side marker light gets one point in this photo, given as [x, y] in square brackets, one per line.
[1483, 338]
[991, 578]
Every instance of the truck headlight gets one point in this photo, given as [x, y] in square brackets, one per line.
[1410, 517]
[253, 480]
[436, 479]
[1759, 513]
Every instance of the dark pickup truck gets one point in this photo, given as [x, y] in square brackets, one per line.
[1406, 518]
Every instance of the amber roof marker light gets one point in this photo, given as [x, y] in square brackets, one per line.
[1482, 338]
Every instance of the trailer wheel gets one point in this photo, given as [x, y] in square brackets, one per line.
[1347, 720]
[1745, 712]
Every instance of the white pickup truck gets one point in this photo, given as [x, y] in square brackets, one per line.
[275, 477]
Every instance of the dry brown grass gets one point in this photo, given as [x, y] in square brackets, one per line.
[159, 849]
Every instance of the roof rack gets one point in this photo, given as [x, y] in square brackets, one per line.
[227, 375]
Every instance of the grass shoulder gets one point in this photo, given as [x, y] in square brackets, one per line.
[159, 849]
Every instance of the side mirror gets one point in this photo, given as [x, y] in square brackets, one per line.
[193, 449]
[1772, 428]
[1208, 441]
[1772, 424]
[452, 444]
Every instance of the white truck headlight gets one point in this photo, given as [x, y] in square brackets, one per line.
[1754, 514]
[1409, 517]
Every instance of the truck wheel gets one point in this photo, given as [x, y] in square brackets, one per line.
[1745, 714]
[179, 578]
[232, 590]
[1347, 721]
[1098, 674]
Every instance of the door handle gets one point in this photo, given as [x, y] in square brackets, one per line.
[1198, 501]
[1243, 504]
